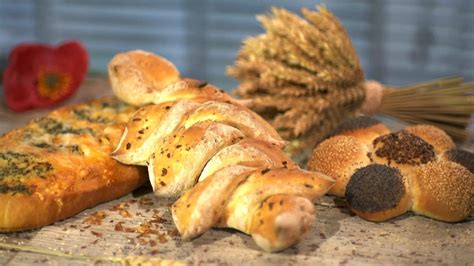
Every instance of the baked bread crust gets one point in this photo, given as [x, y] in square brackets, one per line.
[58, 165]
[220, 147]
[339, 157]
[140, 87]
[443, 190]
[437, 178]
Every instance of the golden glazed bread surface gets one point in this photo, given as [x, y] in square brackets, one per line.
[444, 190]
[137, 77]
[436, 178]
[58, 165]
[338, 157]
[218, 147]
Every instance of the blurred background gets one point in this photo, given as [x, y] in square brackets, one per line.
[399, 41]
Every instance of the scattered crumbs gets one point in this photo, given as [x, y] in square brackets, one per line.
[173, 232]
[314, 246]
[145, 201]
[119, 227]
[157, 219]
[97, 234]
[118, 207]
[162, 238]
[95, 218]
[125, 214]
[142, 241]
[129, 230]
[131, 240]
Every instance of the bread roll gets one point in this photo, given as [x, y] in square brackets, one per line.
[339, 157]
[443, 190]
[275, 206]
[234, 153]
[137, 77]
[417, 169]
[378, 192]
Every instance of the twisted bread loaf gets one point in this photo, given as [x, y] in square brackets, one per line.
[383, 175]
[225, 158]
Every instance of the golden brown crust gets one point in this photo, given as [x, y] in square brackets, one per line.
[281, 221]
[23, 212]
[249, 152]
[403, 206]
[206, 135]
[363, 128]
[443, 190]
[147, 126]
[338, 157]
[200, 208]
[268, 182]
[59, 165]
[275, 206]
[434, 136]
[251, 124]
[437, 178]
[378, 193]
[179, 158]
[190, 89]
[138, 76]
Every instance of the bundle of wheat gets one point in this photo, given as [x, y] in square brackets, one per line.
[304, 76]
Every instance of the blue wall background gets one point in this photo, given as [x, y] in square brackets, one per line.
[399, 41]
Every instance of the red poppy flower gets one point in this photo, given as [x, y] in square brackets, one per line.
[39, 75]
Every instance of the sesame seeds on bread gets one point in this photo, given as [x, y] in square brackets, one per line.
[418, 168]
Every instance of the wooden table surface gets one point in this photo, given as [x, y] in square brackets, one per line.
[140, 224]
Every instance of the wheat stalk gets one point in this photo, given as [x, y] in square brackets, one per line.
[446, 103]
[304, 70]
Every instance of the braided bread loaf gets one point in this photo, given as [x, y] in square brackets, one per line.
[225, 158]
[383, 175]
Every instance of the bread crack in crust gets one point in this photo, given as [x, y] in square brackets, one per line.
[59, 165]
[223, 160]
